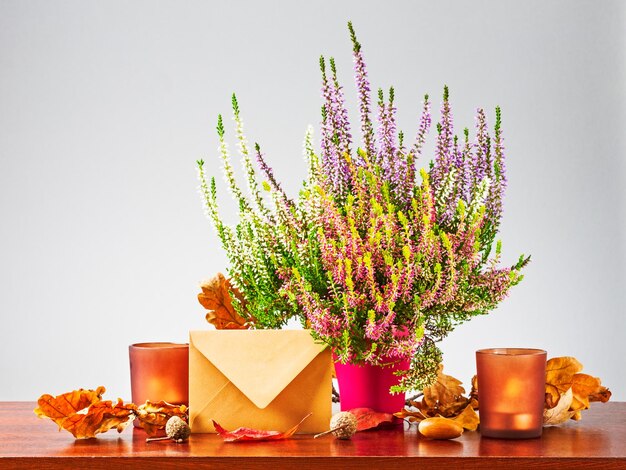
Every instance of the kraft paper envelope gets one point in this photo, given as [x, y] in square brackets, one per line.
[261, 379]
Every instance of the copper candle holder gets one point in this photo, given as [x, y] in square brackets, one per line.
[511, 392]
[159, 371]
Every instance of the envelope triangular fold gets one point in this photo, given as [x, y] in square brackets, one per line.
[243, 356]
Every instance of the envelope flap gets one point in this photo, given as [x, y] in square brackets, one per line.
[260, 363]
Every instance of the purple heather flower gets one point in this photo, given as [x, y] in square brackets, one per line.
[496, 190]
[443, 153]
[363, 88]
[481, 163]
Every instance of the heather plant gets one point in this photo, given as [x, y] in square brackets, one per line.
[271, 232]
[381, 260]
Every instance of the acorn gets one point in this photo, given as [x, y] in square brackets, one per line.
[343, 425]
[177, 429]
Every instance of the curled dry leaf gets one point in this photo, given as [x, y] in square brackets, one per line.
[445, 396]
[412, 416]
[603, 395]
[247, 434]
[216, 298]
[560, 373]
[83, 413]
[154, 416]
[561, 412]
[568, 391]
[368, 418]
[474, 393]
[583, 386]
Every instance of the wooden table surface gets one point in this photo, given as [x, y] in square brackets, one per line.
[597, 441]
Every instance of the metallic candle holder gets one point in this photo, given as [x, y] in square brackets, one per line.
[511, 392]
[159, 371]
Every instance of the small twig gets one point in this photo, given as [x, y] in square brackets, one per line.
[413, 398]
[338, 428]
[335, 395]
[152, 439]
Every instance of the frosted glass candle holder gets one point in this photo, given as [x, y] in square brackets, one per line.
[159, 371]
[511, 392]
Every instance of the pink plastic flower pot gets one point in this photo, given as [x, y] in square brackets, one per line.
[367, 386]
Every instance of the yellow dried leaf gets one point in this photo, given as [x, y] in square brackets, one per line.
[468, 418]
[583, 386]
[564, 379]
[560, 372]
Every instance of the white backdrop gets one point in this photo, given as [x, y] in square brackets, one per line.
[105, 106]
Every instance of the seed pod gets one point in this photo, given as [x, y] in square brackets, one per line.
[440, 428]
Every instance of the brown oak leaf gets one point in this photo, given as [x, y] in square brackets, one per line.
[444, 398]
[603, 395]
[413, 416]
[154, 416]
[216, 298]
[83, 413]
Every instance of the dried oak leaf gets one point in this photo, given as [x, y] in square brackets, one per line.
[248, 434]
[583, 386]
[568, 391]
[100, 417]
[560, 373]
[603, 395]
[473, 396]
[468, 418]
[154, 416]
[368, 418]
[83, 413]
[413, 416]
[216, 298]
[445, 397]
[561, 412]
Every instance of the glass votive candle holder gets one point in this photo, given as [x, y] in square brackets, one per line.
[511, 392]
[159, 372]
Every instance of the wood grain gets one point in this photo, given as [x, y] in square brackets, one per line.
[598, 441]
